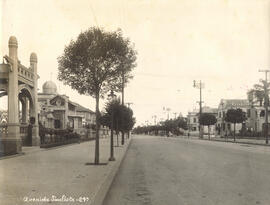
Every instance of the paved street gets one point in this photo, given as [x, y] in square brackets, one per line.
[175, 171]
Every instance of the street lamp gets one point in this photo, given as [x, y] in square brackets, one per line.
[112, 96]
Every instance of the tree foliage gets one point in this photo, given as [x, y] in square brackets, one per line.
[123, 119]
[173, 125]
[235, 116]
[93, 63]
[207, 119]
[257, 93]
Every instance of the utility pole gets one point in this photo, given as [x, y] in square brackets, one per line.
[266, 101]
[199, 85]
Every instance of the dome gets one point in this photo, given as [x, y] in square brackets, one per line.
[49, 87]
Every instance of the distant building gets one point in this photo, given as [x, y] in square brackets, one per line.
[256, 113]
[57, 111]
[226, 104]
[193, 119]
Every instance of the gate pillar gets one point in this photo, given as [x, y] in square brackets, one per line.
[35, 134]
[12, 143]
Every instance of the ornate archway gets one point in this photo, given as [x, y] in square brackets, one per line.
[20, 84]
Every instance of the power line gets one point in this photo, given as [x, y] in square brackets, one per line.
[158, 76]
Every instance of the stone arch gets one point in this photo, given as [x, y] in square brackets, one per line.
[28, 103]
[28, 91]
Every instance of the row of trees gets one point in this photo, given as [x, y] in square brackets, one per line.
[233, 116]
[95, 63]
[173, 125]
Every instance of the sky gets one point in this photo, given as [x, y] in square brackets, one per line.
[223, 43]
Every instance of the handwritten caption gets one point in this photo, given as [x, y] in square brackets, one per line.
[53, 198]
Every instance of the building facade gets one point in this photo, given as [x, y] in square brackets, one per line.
[193, 120]
[58, 112]
[225, 128]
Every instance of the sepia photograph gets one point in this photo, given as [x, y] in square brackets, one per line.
[135, 102]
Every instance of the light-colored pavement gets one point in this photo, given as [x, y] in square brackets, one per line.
[59, 172]
[174, 171]
[243, 140]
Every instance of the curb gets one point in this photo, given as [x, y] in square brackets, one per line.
[237, 142]
[106, 184]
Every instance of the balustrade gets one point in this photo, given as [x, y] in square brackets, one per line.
[3, 129]
[25, 72]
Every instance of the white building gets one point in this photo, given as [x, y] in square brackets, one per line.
[57, 111]
[224, 105]
[193, 120]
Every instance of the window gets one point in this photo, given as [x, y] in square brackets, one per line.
[57, 124]
[194, 120]
[262, 113]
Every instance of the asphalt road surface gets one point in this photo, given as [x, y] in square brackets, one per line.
[172, 171]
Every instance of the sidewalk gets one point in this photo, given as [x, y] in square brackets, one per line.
[243, 140]
[59, 174]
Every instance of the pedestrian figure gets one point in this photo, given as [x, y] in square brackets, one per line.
[41, 133]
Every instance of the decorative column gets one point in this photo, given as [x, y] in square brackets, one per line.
[35, 133]
[12, 143]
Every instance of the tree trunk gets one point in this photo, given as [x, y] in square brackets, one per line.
[234, 132]
[209, 132]
[97, 130]
[117, 132]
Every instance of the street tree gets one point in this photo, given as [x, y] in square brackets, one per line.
[127, 119]
[235, 116]
[182, 123]
[112, 110]
[123, 119]
[207, 119]
[93, 64]
[257, 93]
